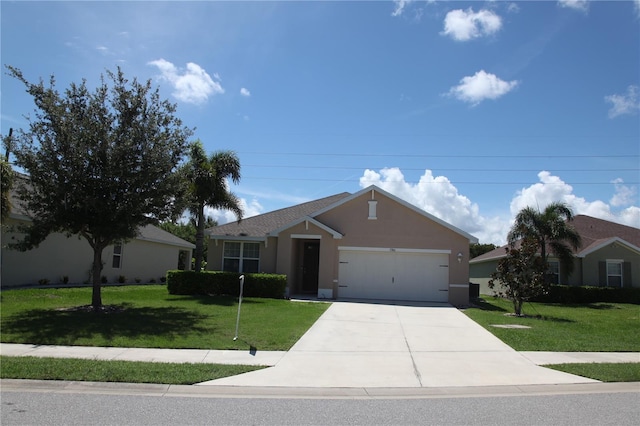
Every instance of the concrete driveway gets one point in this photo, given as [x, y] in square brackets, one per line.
[359, 344]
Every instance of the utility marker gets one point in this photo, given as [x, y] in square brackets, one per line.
[239, 305]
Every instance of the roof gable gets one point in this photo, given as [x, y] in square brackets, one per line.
[374, 188]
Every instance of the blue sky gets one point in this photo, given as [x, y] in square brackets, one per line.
[469, 110]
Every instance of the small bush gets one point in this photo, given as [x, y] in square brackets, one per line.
[226, 283]
[122, 279]
[137, 280]
[43, 281]
[65, 279]
[587, 294]
[103, 279]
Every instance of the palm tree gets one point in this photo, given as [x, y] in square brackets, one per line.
[207, 187]
[551, 230]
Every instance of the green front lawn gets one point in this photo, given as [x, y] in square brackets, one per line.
[149, 317]
[596, 327]
[115, 371]
[605, 372]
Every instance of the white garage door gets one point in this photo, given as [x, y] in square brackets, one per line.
[394, 275]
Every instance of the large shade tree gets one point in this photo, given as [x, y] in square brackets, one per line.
[207, 187]
[551, 230]
[101, 163]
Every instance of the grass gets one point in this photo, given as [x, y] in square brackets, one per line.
[149, 317]
[605, 372]
[596, 327]
[115, 371]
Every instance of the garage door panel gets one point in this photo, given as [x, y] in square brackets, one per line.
[393, 275]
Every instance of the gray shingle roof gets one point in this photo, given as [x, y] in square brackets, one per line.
[157, 235]
[592, 230]
[261, 225]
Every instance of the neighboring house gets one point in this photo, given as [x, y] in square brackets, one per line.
[609, 256]
[367, 245]
[145, 258]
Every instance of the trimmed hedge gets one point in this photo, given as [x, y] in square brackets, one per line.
[586, 294]
[226, 283]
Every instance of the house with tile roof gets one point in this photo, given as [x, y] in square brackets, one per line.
[608, 257]
[366, 245]
[60, 259]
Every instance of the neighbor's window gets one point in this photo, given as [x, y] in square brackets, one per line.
[614, 273]
[117, 256]
[553, 272]
[241, 257]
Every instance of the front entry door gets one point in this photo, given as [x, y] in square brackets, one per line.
[310, 266]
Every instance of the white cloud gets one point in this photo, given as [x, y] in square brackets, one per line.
[245, 92]
[250, 208]
[628, 103]
[624, 195]
[552, 188]
[439, 197]
[482, 85]
[464, 25]
[581, 5]
[191, 85]
[399, 6]
[637, 7]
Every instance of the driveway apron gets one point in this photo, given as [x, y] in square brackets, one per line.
[365, 344]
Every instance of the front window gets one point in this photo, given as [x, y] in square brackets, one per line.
[116, 263]
[614, 273]
[241, 257]
[553, 272]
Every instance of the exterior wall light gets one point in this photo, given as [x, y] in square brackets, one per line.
[459, 257]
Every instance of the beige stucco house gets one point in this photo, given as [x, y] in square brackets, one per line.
[367, 245]
[609, 256]
[144, 258]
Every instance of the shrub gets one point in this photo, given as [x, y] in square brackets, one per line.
[65, 279]
[122, 279]
[43, 281]
[226, 283]
[587, 294]
[103, 279]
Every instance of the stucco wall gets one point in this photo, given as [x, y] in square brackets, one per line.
[480, 273]
[144, 260]
[612, 251]
[59, 256]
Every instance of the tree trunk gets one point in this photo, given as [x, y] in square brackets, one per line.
[517, 306]
[96, 270]
[199, 238]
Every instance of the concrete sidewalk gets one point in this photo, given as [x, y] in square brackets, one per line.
[196, 356]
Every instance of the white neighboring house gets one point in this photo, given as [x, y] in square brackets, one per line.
[59, 259]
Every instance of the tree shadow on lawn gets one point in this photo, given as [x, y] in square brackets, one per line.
[66, 327]
[486, 306]
[214, 300]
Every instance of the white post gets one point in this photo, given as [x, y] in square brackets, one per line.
[239, 305]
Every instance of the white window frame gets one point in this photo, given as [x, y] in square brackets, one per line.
[118, 256]
[555, 271]
[241, 257]
[620, 264]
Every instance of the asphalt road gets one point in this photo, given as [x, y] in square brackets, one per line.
[71, 408]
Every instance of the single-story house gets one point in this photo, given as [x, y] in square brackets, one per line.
[60, 259]
[609, 256]
[366, 245]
